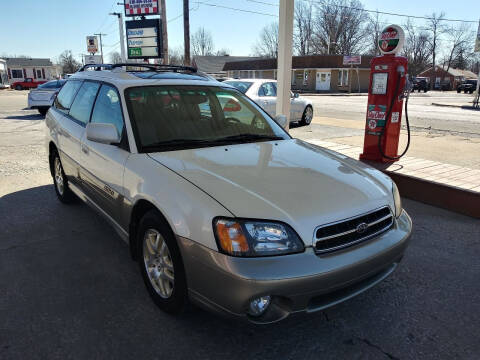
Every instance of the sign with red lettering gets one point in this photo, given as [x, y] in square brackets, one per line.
[141, 7]
[391, 39]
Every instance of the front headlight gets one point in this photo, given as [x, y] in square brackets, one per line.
[249, 238]
[397, 200]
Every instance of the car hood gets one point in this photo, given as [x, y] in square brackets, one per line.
[291, 181]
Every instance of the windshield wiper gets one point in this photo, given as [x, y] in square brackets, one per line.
[247, 137]
[175, 142]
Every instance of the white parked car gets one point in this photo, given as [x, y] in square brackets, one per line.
[218, 204]
[264, 93]
[41, 98]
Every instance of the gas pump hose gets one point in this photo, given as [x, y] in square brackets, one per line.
[386, 119]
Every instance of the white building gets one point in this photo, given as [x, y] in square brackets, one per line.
[38, 69]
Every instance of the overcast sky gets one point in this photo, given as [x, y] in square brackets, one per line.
[48, 27]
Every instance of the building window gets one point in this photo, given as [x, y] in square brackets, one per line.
[39, 74]
[342, 77]
[17, 74]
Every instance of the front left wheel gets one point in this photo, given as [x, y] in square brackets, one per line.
[161, 263]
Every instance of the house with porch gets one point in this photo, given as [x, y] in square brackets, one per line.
[444, 78]
[19, 69]
[312, 73]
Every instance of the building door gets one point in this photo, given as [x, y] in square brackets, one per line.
[322, 82]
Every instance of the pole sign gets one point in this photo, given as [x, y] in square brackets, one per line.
[143, 39]
[352, 60]
[92, 44]
[477, 41]
[92, 59]
[391, 40]
[141, 7]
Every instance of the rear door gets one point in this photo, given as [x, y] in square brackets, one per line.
[103, 165]
[267, 97]
[69, 131]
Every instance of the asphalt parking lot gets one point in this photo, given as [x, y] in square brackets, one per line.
[68, 288]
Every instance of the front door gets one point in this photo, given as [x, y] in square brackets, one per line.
[102, 164]
[322, 82]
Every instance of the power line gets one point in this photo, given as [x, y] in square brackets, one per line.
[235, 9]
[396, 14]
[262, 2]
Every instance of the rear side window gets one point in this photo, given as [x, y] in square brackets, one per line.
[267, 89]
[66, 95]
[82, 105]
[107, 108]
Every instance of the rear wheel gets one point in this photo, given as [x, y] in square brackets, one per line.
[307, 116]
[161, 263]
[64, 194]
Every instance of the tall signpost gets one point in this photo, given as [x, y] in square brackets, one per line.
[353, 60]
[144, 36]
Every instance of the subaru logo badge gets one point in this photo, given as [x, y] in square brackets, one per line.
[362, 227]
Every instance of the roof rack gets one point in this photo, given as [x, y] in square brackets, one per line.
[154, 67]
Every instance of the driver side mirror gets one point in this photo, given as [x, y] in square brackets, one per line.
[102, 133]
[281, 120]
[296, 95]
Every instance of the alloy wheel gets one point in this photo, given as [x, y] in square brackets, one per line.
[158, 263]
[59, 183]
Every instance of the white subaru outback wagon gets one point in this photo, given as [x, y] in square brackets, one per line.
[219, 205]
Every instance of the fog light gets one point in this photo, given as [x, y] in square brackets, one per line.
[259, 305]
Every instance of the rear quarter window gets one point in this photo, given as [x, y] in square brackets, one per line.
[66, 95]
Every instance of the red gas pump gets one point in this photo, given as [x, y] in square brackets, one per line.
[388, 78]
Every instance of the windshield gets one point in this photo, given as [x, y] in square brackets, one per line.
[241, 86]
[178, 117]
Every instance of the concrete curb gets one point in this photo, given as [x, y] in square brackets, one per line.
[467, 107]
[448, 197]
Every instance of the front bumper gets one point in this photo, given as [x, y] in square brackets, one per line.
[304, 282]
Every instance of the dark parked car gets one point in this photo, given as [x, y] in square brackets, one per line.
[467, 86]
[421, 84]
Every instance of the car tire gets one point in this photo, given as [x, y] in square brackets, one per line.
[459, 91]
[60, 182]
[161, 263]
[307, 116]
[425, 90]
[471, 92]
[43, 111]
[18, 87]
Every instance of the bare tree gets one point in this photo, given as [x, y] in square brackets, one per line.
[202, 42]
[267, 44]
[340, 27]
[222, 52]
[374, 27]
[460, 42]
[303, 23]
[115, 57]
[414, 50]
[175, 56]
[68, 63]
[436, 29]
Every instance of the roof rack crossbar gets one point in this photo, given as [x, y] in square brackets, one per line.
[97, 67]
[157, 67]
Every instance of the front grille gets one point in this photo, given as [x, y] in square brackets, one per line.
[338, 235]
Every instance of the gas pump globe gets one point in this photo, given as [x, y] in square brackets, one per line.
[388, 75]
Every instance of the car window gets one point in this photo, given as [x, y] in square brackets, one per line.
[108, 109]
[82, 105]
[162, 114]
[241, 86]
[267, 89]
[66, 95]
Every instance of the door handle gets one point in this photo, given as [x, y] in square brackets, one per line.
[85, 149]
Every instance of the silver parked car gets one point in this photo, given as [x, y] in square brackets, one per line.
[41, 98]
[217, 203]
[264, 93]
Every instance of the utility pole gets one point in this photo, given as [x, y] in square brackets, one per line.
[120, 31]
[186, 32]
[101, 46]
[163, 18]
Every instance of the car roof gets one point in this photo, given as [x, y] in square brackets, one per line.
[121, 78]
[256, 81]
